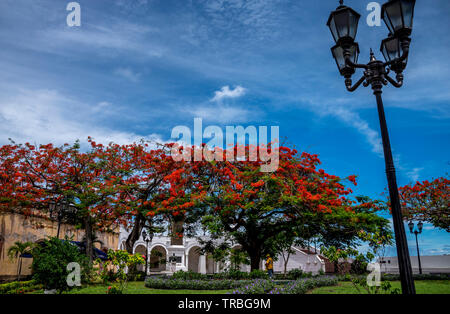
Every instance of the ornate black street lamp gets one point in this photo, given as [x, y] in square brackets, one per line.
[343, 24]
[147, 240]
[416, 232]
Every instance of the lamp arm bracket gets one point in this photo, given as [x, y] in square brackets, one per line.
[350, 88]
[354, 65]
[394, 82]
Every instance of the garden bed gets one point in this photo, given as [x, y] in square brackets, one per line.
[256, 286]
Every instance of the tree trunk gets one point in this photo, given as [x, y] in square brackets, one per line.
[19, 268]
[88, 236]
[135, 233]
[286, 261]
[255, 259]
[177, 233]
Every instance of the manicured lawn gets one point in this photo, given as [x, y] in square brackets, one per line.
[138, 287]
[344, 287]
[422, 287]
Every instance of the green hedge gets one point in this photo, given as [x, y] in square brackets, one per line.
[300, 286]
[179, 284]
[255, 286]
[396, 277]
[293, 274]
[17, 287]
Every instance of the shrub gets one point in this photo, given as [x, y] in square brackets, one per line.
[136, 276]
[395, 277]
[295, 274]
[358, 266]
[50, 262]
[121, 260]
[258, 274]
[114, 290]
[302, 286]
[259, 286]
[188, 275]
[19, 287]
[178, 284]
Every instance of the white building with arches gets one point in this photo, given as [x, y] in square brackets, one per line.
[164, 257]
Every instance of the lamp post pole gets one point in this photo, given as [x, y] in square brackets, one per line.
[418, 253]
[147, 240]
[63, 208]
[343, 23]
[411, 227]
[399, 229]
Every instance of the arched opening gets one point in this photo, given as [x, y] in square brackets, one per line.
[194, 259]
[122, 246]
[141, 249]
[158, 259]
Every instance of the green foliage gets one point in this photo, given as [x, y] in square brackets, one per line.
[178, 284]
[19, 287]
[50, 260]
[385, 287]
[394, 277]
[136, 276]
[359, 265]
[114, 290]
[258, 274]
[295, 274]
[19, 248]
[304, 285]
[238, 257]
[338, 257]
[16, 251]
[293, 287]
[121, 261]
[188, 275]
[259, 286]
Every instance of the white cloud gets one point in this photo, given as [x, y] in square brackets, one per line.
[225, 92]
[222, 114]
[353, 119]
[414, 174]
[128, 74]
[46, 116]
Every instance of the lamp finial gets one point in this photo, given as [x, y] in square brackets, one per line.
[372, 56]
[341, 2]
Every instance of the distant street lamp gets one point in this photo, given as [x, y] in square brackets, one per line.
[147, 240]
[416, 232]
[343, 24]
[62, 212]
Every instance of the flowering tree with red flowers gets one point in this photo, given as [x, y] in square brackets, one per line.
[145, 171]
[39, 178]
[184, 198]
[254, 207]
[427, 201]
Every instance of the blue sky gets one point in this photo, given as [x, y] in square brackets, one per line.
[137, 68]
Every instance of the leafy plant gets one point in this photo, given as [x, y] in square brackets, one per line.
[178, 284]
[121, 261]
[16, 287]
[17, 251]
[386, 288]
[114, 290]
[295, 274]
[50, 260]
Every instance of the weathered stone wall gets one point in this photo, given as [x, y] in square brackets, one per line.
[14, 227]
